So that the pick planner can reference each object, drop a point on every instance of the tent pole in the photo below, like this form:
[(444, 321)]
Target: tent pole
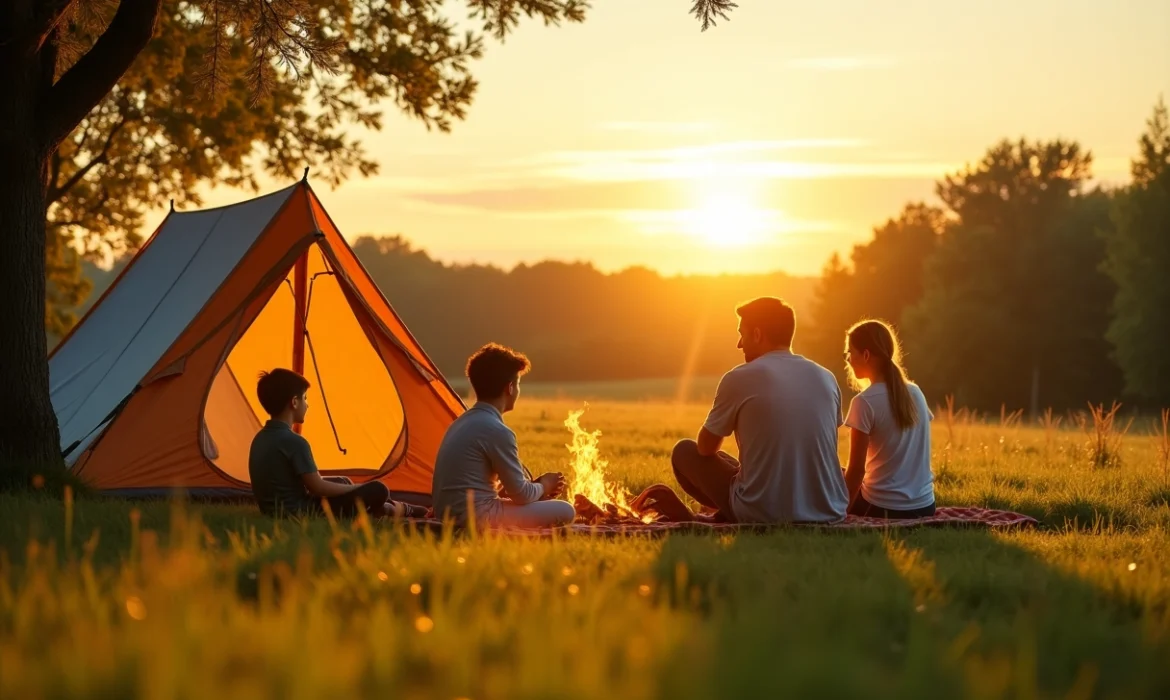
[(300, 307)]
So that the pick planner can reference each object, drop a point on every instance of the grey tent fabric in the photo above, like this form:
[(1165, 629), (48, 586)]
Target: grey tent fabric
[(126, 334)]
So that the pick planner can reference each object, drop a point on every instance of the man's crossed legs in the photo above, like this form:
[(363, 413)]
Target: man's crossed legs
[(707, 479)]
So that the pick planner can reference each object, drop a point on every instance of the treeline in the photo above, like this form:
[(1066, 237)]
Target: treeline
[(1027, 287), (573, 321)]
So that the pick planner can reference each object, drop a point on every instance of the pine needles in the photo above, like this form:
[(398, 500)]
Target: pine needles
[(709, 10)]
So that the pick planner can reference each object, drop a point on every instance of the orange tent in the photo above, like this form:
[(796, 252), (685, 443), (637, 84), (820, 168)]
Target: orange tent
[(155, 388)]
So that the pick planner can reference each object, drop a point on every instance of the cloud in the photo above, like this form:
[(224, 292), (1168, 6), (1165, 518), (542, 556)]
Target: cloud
[(801, 197), (722, 148), (752, 170)]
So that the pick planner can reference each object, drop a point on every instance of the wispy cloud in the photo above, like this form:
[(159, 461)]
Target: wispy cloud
[(841, 63), (723, 148), (765, 225), (611, 171)]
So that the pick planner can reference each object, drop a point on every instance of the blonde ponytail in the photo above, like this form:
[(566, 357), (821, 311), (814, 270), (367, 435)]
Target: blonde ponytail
[(882, 343)]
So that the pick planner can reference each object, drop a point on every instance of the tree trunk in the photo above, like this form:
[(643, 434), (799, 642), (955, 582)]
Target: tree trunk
[(29, 436)]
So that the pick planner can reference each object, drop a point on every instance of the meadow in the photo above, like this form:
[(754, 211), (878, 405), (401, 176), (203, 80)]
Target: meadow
[(106, 598)]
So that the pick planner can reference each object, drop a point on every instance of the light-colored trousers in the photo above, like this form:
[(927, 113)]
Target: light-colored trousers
[(538, 514)]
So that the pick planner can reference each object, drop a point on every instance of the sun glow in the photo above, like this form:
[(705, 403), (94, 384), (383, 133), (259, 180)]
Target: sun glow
[(726, 220)]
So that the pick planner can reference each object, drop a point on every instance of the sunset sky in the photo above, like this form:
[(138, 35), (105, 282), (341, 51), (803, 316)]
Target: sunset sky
[(765, 143)]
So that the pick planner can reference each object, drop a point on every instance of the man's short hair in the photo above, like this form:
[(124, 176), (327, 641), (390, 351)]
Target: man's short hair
[(493, 367), (775, 319), (276, 388)]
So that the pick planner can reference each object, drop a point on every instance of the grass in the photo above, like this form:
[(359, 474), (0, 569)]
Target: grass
[(105, 598)]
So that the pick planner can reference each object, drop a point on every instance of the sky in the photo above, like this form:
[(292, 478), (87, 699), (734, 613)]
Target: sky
[(766, 143)]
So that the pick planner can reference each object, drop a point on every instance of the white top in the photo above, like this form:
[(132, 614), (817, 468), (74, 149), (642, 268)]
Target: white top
[(785, 411), (897, 464), (478, 451)]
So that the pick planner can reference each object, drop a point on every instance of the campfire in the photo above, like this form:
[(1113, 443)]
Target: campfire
[(597, 500)]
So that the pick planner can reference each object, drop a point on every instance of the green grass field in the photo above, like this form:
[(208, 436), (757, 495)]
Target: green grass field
[(112, 599)]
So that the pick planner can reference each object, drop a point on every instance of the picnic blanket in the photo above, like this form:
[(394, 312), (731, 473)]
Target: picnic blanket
[(943, 517), (667, 515)]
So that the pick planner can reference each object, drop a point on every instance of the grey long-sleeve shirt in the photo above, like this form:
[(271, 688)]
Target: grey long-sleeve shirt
[(478, 449)]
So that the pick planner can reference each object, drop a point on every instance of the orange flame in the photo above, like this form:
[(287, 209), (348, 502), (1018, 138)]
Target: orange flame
[(587, 476)]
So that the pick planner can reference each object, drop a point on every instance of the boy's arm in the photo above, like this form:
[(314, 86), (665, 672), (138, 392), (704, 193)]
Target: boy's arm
[(504, 454), (303, 464), (324, 489)]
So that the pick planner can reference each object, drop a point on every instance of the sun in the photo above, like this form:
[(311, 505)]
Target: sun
[(726, 220)]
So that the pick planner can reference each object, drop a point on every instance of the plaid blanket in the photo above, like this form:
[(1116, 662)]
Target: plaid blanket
[(943, 517)]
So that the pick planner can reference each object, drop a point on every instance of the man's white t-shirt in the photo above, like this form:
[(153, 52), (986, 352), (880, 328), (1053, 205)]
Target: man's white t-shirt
[(897, 464), (785, 411)]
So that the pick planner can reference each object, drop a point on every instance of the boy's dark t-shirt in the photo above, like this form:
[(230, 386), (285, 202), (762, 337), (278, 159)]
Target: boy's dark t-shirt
[(277, 461)]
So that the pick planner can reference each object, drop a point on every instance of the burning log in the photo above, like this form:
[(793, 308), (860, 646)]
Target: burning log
[(589, 513), (600, 502)]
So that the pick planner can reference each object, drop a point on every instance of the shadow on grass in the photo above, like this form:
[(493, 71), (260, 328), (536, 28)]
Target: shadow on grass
[(1075, 513), (912, 614), (1037, 629), (1159, 497), (107, 525)]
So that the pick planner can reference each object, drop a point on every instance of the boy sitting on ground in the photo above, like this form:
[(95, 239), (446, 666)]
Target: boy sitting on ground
[(285, 479), (479, 451)]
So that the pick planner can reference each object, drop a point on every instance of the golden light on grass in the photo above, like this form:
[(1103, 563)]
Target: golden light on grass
[(382, 576), (527, 569), (209, 636), (460, 560), (415, 589), (574, 589), (1133, 566), (567, 571)]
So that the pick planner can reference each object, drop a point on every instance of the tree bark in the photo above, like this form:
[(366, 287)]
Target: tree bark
[(29, 437), (36, 114)]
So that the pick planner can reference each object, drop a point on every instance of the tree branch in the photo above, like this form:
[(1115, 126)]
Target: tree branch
[(50, 17), (96, 73), (708, 11), (57, 192)]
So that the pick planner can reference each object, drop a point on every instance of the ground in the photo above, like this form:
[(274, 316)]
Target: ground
[(112, 599)]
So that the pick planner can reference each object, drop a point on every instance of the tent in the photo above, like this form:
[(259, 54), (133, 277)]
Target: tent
[(155, 389)]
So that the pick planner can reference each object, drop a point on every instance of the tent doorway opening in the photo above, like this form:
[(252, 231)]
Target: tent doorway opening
[(356, 421)]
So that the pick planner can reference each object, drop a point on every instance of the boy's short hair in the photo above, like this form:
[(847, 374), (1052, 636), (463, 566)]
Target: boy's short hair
[(493, 367), (276, 388), (775, 319)]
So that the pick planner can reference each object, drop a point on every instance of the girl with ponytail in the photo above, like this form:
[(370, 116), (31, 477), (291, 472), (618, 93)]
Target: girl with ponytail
[(889, 444)]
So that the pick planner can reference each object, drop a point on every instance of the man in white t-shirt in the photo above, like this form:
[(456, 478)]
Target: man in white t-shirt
[(784, 411)]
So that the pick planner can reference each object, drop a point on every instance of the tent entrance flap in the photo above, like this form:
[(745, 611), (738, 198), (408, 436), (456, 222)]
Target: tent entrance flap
[(363, 410)]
